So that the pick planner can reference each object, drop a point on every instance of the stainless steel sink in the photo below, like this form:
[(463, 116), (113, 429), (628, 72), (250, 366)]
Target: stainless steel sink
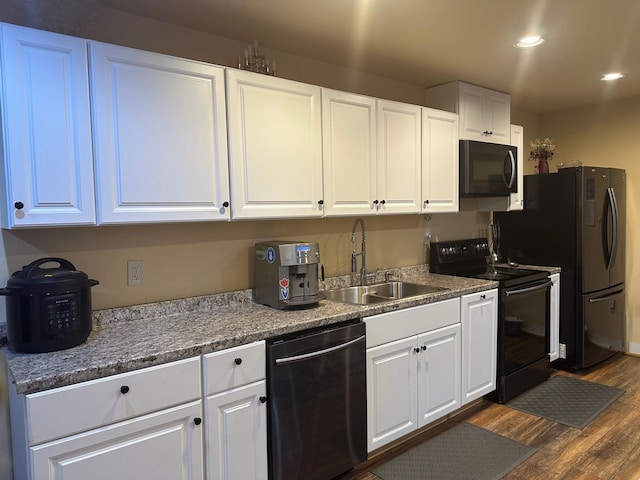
[(379, 293)]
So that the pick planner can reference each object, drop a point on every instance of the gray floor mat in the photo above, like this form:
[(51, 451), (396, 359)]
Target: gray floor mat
[(462, 452), (567, 400)]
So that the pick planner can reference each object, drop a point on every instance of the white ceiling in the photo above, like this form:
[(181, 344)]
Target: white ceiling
[(428, 42)]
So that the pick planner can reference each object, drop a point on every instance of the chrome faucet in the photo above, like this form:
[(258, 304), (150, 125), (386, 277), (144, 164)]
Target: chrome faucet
[(354, 255)]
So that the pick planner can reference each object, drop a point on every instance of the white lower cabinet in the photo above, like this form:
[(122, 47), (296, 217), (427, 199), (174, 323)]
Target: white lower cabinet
[(413, 369), (479, 317), (163, 445), (236, 413), (140, 424)]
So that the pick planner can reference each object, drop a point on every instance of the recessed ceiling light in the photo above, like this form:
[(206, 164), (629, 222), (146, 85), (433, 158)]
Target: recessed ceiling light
[(527, 42), (611, 76)]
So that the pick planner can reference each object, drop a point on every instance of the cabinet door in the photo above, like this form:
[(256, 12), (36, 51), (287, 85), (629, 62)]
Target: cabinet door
[(479, 317), (349, 153), (275, 146), (554, 324), (399, 157), (517, 140), (498, 111), (484, 114), (160, 137), (237, 434), (48, 160), (440, 167), (438, 373), (166, 445), (391, 392)]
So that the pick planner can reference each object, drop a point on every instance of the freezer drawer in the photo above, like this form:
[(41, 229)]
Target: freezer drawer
[(604, 328)]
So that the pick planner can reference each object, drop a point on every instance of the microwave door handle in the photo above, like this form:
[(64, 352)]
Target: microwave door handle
[(512, 160)]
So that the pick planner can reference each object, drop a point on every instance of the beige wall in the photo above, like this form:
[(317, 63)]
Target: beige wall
[(607, 135)]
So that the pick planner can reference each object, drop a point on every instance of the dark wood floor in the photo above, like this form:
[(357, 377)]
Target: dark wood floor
[(607, 448)]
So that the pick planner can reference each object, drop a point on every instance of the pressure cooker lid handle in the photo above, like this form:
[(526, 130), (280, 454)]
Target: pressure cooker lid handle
[(33, 266)]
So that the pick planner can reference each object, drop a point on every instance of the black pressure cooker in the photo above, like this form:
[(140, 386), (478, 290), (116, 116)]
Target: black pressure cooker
[(48, 309)]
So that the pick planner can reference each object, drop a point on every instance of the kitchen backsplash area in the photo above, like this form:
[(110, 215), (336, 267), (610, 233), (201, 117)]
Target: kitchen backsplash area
[(191, 259)]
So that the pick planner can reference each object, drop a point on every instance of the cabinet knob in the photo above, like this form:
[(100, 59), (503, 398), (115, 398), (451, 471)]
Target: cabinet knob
[(416, 350), (124, 389), (320, 202), (483, 296), (426, 202), (225, 204), (383, 202), (19, 205), (238, 361), (263, 399), (424, 347), (197, 420), (375, 202)]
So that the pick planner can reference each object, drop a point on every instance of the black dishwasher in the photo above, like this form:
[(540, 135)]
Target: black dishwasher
[(316, 390)]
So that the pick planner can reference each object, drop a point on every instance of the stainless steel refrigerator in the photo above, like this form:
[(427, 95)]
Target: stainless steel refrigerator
[(575, 219)]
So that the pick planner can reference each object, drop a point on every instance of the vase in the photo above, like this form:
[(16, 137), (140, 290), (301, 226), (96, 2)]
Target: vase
[(543, 165)]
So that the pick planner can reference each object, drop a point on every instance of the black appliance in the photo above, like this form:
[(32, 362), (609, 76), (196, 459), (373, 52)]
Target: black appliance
[(523, 312), (575, 219), (48, 308), (316, 386), (487, 169)]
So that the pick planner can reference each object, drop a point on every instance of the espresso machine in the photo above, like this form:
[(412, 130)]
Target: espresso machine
[(286, 274)]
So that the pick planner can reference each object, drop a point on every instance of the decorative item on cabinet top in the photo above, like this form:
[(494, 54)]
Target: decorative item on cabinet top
[(542, 151), (254, 60)]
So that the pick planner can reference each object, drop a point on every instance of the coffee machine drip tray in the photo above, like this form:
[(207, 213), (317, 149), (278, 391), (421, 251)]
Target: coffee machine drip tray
[(306, 301)]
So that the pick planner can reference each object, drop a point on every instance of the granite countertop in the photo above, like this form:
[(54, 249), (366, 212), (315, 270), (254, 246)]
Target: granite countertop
[(130, 338)]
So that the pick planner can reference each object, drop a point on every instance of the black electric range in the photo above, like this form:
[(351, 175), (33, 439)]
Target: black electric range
[(523, 312)]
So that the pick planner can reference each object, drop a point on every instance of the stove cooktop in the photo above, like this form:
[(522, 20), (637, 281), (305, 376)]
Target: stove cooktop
[(468, 258)]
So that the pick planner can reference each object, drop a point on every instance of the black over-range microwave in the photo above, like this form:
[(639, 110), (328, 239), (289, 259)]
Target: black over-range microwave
[(487, 169)]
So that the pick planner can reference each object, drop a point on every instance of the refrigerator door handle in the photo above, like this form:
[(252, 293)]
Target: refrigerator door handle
[(606, 297), (509, 157), (611, 208)]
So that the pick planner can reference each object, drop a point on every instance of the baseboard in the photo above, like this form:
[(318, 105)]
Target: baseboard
[(634, 348)]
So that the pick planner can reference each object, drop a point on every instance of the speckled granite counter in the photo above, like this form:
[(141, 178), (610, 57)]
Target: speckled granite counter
[(130, 338)]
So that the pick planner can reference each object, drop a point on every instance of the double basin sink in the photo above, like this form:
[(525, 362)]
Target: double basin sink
[(379, 293)]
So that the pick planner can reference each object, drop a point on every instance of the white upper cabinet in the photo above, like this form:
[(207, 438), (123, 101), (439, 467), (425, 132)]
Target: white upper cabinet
[(440, 166), (399, 157), (46, 130), (485, 115), (349, 153), (275, 147), (371, 151), (160, 137)]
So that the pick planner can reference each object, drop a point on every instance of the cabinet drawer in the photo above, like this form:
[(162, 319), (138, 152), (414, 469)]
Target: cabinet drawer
[(391, 326), (80, 407), (233, 367)]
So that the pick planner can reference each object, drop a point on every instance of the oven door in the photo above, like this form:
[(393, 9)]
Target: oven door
[(524, 325)]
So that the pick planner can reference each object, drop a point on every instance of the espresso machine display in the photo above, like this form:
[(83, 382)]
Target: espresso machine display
[(287, 274)]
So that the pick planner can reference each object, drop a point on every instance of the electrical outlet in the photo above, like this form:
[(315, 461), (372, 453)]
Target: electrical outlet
[(562, 353), (135, 272)]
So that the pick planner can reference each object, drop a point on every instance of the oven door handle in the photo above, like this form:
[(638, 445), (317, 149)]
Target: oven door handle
[(529, 289), (304, 356)]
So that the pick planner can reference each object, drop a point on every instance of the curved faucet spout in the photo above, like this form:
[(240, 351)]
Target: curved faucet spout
[(363, 249)]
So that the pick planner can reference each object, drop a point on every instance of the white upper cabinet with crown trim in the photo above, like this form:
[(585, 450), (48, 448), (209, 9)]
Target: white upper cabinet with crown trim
[(46, 130), (160, 137), (371, 152), (275, 147), (485, 115)]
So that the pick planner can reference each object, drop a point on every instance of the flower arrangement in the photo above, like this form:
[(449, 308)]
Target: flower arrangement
[(541, 149)]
